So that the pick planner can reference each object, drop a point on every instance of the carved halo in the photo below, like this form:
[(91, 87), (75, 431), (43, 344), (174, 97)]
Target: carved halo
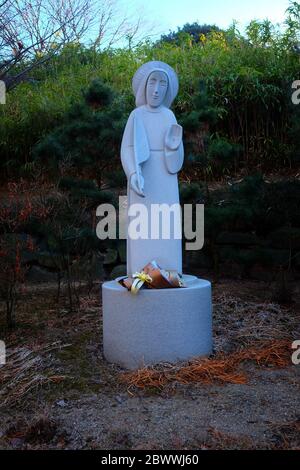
[(140, 78)]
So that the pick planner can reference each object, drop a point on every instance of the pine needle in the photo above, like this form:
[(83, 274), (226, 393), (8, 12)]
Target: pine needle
[(220, 369)]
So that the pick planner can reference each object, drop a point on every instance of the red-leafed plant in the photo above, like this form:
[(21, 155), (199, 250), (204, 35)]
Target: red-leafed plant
[(17, 208)]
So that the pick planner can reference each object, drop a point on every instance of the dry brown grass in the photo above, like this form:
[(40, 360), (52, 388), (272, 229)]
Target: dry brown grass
[(24, 371), (241, 323), (41, 429), (287, 435), (218, 440)]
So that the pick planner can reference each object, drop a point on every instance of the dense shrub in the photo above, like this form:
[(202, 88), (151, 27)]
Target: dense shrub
[(247, 79)]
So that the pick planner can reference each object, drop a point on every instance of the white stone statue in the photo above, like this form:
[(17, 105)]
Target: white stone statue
[(154, 324), (152, 154)]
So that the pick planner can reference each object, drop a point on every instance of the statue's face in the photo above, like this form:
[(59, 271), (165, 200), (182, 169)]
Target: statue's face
[(156, 89)]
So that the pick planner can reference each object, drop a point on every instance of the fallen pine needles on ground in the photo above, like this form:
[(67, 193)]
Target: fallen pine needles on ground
[(220, 369)]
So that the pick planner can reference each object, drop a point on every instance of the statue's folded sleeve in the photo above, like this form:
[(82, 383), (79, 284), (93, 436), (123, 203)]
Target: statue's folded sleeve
[(127, 148), (135, 146)]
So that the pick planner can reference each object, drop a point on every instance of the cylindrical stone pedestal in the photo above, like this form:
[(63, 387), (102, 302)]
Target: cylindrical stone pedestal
[(157, 325)]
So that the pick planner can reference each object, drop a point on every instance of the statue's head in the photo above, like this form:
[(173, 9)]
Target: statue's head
[(155, 83), (156, 88)]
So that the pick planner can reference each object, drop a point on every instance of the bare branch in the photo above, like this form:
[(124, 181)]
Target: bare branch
[(32, 31)]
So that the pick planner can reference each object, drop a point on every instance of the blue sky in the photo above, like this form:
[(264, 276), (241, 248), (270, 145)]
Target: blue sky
[(168, 14)]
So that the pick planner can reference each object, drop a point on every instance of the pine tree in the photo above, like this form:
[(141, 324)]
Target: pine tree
[(207, 152), (89, 137)]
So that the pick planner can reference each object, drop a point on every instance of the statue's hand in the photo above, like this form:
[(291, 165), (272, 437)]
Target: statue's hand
[(173, 137), (137, 184)]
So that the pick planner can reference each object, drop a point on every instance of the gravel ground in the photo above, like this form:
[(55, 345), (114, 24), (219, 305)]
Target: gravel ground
[(238, 416), (87, 406)]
